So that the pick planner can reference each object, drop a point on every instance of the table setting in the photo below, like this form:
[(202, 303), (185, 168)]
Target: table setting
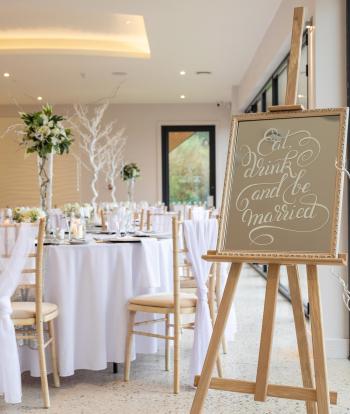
[(91, 259), (91, 274)]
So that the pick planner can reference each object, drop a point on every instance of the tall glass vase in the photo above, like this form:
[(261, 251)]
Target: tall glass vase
[(131, 189), (45, 171)]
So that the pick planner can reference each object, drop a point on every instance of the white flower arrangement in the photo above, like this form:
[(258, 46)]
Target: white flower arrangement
[(71, 208), (78, 210), (27, 214), (44, 133)]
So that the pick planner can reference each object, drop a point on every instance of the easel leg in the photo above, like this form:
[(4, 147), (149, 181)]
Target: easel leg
[(218, 299), (322, 392), (219, 328), (267, 332), (211, 303), (300, 328)]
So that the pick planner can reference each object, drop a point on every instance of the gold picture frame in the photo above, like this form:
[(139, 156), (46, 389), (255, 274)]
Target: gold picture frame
[(294, 180)]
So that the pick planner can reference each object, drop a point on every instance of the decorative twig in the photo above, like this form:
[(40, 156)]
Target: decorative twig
[(103, 144)]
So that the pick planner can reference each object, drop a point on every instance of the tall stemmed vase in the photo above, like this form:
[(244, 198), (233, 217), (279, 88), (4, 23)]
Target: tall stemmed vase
[(129, 173), (131, 189), (45, 174), (43, 134)]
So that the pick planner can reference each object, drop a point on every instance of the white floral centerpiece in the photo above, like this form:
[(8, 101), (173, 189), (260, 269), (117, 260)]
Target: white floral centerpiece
[(27, 215), (78, 210), (71, 209), (129, 173), (45, 135)]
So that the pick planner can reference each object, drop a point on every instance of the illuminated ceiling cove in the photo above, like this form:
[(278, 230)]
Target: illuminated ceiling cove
[(113, 34)]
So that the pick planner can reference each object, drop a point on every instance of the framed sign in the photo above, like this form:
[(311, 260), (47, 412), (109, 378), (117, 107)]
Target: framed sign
[(283, 184)]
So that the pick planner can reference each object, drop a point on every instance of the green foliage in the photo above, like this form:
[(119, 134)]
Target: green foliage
[(189, 170), (44, 133), (27, 215), (130, 171)]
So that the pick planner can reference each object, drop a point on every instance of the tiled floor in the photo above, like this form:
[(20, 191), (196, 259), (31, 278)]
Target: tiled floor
[(149, 390)]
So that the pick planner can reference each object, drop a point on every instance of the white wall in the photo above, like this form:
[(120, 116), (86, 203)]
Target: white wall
[(143, 128), (330, 91)]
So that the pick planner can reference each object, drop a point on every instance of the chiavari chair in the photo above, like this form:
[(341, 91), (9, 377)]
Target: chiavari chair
[(160, 219), (177, 304), (33, 315)]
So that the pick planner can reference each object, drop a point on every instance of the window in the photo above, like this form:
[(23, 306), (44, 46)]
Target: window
[(302, 87), (188, 154), (274, 90), (282, 84), (268, 96)]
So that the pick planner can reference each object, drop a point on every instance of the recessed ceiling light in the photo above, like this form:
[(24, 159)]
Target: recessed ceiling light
[(182, 96), (6, 75), (39, 98), (182, 72)]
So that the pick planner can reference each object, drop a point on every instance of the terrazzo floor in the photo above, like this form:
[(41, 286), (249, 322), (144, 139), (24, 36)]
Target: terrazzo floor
[(149, 390)]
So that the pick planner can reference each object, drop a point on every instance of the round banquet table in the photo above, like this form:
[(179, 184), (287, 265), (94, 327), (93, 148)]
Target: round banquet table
[(91, 285)]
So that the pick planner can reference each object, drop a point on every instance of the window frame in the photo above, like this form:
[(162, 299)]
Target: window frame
[(273, 81), (165, 130)]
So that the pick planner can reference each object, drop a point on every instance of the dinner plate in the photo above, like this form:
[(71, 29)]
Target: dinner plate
[(78, 242), (119, 240)]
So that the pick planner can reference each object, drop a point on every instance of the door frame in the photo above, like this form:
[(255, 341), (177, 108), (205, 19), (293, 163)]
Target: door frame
[(165, 129), (348, 140)]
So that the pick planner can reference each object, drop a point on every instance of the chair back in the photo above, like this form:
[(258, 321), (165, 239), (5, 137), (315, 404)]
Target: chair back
[(160, 222), (11, 232), (139, 219), (182, 270), (198, 213), (103, 219)]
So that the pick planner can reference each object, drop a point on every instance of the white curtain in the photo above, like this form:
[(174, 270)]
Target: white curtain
[(200, 236), (15, 245)]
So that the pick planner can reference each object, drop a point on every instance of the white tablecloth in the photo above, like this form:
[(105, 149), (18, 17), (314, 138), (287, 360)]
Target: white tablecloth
[(91, 285)]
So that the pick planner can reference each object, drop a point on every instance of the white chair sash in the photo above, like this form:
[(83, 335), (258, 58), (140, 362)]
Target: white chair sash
[(199, 213), (11, 267), (200, 236), (161, 223)]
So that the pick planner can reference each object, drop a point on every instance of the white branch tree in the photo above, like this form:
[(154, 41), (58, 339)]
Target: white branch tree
[(115, 158), (98, 140)]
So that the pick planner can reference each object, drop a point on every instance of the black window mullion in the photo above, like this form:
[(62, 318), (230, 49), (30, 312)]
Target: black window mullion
[(165, 157), (275, 91), (263, 101)]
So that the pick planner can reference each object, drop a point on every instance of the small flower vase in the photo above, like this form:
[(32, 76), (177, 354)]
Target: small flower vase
[(45, 171), (131, 189)]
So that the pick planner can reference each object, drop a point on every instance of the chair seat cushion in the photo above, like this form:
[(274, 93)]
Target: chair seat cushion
[(26, 310), (164, 300)]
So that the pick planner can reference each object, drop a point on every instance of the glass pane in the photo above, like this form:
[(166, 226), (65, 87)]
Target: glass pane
[(259, 106), (189, 167), (302, 86), (282, 86), (268, 96)]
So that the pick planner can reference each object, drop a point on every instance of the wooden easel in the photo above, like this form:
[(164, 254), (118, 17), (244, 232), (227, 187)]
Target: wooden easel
[(315, 387)]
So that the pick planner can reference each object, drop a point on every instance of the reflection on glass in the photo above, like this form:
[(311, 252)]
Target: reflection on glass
[(282, 86), (259, 106), (268, 96), (189, 167), (302, 86)]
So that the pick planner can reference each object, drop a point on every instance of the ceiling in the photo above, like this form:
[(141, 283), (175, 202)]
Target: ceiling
[(191, 35)]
